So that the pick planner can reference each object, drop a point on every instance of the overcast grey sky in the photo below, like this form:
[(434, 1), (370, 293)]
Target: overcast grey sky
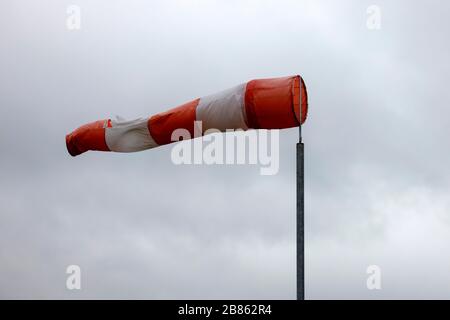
[(377, 161)]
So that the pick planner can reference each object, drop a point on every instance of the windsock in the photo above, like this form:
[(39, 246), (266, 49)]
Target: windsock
[(275, 103)]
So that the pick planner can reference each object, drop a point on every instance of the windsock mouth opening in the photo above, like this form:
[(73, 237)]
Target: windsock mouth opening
[(71, 148), (300, 100)]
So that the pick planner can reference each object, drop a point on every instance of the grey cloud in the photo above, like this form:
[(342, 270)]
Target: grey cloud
[(141, 227)]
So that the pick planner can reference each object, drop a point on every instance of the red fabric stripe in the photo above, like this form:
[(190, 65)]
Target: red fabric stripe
[(91, 136), (269, 103), (163, 124)]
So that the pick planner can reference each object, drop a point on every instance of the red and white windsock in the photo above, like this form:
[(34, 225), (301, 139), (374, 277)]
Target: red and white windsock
[(275, 103)]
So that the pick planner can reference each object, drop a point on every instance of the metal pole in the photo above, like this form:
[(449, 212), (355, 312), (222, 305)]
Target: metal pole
[(300, 219)]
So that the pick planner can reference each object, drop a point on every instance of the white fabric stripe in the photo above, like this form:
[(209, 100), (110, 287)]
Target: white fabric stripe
[(129, 136), (223, 110)]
